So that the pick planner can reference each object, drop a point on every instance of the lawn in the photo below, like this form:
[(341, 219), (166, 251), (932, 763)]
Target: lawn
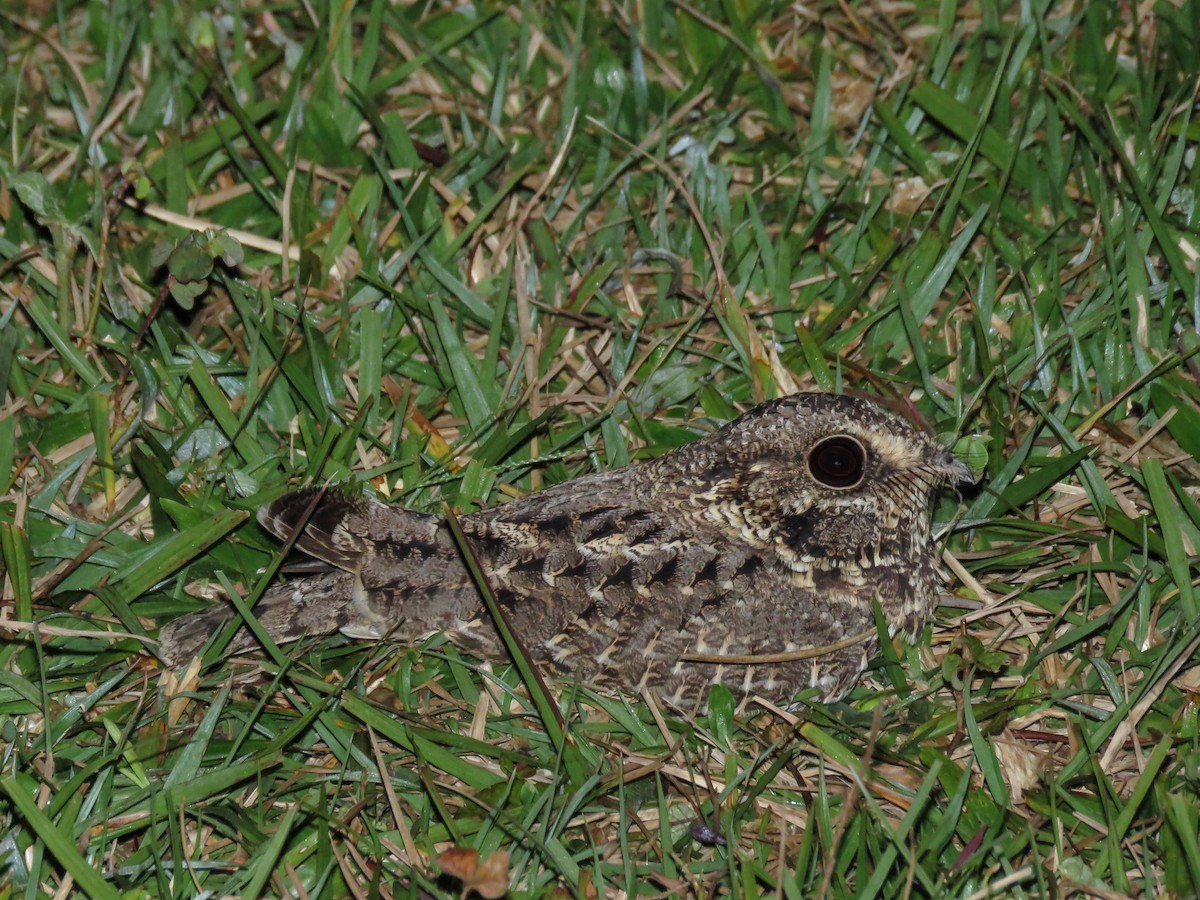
[(452, 253)]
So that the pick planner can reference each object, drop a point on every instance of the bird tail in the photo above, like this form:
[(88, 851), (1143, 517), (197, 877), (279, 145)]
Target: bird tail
[(340, 530), (314, 605)]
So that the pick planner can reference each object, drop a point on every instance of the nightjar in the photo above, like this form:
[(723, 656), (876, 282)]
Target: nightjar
[(773, 536)]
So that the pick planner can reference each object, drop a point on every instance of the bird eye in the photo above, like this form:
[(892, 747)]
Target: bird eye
[(838, 461)]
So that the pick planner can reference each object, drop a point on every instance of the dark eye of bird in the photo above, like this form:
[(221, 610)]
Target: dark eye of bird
[(838, 461)]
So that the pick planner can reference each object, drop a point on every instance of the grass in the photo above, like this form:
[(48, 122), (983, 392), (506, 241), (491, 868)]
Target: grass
[(457, 253)]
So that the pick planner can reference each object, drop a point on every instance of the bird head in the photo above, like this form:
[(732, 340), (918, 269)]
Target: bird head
[(825, 479)]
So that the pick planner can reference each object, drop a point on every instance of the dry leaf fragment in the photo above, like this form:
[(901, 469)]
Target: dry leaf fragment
[(489, 878), (1020, 764)]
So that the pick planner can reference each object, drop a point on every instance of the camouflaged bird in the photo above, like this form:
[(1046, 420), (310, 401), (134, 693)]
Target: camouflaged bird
[(770, 537)]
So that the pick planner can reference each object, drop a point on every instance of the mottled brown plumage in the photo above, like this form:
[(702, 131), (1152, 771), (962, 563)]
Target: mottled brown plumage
[(774, 534)]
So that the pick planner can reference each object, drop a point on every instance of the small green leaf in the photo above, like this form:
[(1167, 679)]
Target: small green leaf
[(720, 714), (190, 262), (43, 198), (972, 450), (186, 292), (161, 252), (228, 248)]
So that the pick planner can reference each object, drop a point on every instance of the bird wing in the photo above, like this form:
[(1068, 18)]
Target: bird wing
[(289, 611), (345, 530), (592, 577)]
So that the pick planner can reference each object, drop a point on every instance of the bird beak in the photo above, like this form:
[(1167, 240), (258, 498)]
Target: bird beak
[(953, 470)]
